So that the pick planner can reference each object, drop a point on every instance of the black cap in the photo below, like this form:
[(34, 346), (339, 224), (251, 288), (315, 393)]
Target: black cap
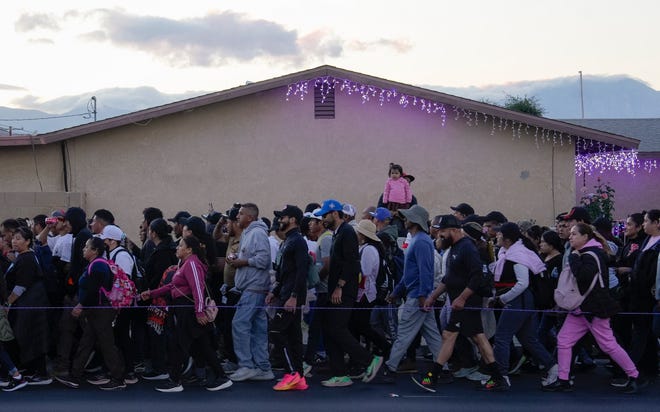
[(464, 208), (180, 217), (213, 217), (578, 213), (494, 216), (232, 214), (447, 222), (291, 211)]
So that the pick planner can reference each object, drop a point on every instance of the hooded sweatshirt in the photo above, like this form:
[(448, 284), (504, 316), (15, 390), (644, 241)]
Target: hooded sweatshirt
[(78, 221), (255, 248)]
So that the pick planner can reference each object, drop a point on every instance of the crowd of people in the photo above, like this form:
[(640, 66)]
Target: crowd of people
[(326, 290)]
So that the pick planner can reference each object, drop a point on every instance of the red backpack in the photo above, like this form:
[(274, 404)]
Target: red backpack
[(123, 291)]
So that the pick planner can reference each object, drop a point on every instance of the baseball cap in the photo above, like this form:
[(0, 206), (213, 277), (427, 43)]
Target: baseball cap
[(329, 205), (112, 232), (464, 208), (348, 209), (290, 211), (180, 217), (58, 213), (447, 222), (381, 213), (311, 214), (213, 217), (578, 213)]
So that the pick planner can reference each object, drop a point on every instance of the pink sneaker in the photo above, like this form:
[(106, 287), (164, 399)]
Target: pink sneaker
[(288, 382), (301, 385)]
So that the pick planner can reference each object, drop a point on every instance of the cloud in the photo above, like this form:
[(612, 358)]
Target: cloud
[(11, 87), (321, 43), (400, 46), (33, 21), (201, 41), (41, 41)]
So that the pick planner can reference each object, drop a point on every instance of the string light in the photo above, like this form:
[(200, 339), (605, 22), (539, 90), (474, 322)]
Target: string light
[(591, 156)]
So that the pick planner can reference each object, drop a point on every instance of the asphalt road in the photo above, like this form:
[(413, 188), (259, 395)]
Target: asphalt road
[(592, 394)]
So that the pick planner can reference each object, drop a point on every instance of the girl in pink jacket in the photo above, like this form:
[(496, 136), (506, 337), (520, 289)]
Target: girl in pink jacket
[(397, 193)]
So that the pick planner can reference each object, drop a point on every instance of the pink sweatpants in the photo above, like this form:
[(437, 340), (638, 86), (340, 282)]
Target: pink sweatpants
[(577, 326)]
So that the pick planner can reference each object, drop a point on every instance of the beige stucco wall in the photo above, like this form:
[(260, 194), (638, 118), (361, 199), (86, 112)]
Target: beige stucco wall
[(264, 149)]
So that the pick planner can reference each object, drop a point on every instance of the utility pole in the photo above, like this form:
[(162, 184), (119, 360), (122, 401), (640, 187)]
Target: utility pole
[(581, 95)]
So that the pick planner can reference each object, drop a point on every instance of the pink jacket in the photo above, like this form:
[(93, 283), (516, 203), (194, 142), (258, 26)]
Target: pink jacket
[(187, 281), (397, 191)]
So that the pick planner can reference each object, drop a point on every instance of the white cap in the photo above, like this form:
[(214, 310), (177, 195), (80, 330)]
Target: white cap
[(348, 209), (112, 232), (311, 215)]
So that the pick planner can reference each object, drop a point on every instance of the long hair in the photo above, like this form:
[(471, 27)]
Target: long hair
[(590, 231), (97, 245), (197, 248)]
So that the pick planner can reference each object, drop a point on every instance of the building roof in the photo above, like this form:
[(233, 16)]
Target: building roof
[(646, 130), (325, 71)]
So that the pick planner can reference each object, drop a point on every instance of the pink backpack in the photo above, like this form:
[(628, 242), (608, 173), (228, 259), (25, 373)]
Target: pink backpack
[(567, 294), (123, 291)]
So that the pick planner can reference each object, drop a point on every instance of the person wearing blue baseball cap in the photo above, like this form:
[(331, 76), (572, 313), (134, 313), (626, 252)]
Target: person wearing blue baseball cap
[(343, 276)]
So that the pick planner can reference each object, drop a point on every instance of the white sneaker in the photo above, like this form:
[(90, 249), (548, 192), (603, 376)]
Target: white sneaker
[(477, 376), (550, 377), (464, 372), (263, 375), (243, 374), (307, 370)]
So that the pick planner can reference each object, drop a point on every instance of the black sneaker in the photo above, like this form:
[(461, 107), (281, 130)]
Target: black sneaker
[(219, 384), (139, 367), (501, 384), (130, 379), (170, 386), (37, 380), (631, 387), (15, 384), (446, 376), (559, 385), (620, 382), (194, 380), (68, 381), (113, 385), (99, 379), (428, 382), (155, 376)]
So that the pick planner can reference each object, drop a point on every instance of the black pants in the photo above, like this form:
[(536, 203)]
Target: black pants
[(129, 335), (187, 332), (644, 345), (286, 335), (314, 333), (360, 325), (97, 332), (339, 339), (68, 326)]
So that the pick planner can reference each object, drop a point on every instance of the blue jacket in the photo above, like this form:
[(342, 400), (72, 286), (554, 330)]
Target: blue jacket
[(418, 267)]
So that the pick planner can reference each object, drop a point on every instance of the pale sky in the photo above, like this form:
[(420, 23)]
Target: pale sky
[(67, 47)]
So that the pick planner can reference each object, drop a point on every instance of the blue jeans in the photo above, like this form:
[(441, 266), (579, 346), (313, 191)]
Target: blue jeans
[(250, 331), (523, 326)]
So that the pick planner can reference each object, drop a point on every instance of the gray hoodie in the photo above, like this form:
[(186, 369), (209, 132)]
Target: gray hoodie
[(255, 247)]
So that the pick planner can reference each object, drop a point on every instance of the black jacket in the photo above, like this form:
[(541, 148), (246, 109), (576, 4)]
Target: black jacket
[(163, 256), (78, 221), (344, 262), (599, 302), (292, 268), (642, 279)]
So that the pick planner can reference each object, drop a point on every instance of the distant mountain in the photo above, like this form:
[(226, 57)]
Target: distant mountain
[(109, 103), (605, 97)]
